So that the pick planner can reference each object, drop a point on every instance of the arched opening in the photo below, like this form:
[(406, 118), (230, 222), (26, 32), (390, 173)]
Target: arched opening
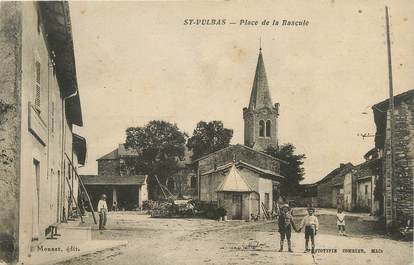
[(261, 128), (268, 128)]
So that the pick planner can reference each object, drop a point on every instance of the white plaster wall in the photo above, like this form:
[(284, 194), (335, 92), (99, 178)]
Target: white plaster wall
[(265, 186), (362, 198), (348, 191), (33, 48), (49, 155)]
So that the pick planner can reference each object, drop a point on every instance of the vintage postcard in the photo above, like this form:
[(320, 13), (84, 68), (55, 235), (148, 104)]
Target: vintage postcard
[(206, 132)]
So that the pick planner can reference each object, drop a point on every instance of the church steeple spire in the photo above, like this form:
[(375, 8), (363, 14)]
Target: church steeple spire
[(260, 95), (261, 116)]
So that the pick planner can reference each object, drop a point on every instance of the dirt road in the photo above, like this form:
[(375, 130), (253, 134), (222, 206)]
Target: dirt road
[(198, 241)]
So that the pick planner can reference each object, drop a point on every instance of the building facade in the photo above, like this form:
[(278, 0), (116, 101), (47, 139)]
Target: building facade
[(397, 153), (256, 173), (368, 177), (334, 190), (39, 107), (352, 188), (124, 189), (383, 184)]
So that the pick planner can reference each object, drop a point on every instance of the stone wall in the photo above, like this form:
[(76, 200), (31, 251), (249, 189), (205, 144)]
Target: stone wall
[(325, 194), (10, 109), (399, 197), (252, 136), (108, 167)]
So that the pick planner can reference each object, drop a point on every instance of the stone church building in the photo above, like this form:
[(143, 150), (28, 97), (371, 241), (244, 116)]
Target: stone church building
[(242, 178)]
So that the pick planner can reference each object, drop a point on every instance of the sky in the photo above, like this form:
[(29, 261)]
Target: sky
[(137, 61)]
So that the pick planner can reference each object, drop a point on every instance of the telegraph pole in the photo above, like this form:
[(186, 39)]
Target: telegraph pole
[(391, 109)]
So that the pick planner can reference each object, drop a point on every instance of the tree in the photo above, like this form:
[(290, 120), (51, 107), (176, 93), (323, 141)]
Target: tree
[(160, 145), (209, 137), (293, 170)]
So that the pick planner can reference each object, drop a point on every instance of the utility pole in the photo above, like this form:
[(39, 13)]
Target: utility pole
[(391, 111)]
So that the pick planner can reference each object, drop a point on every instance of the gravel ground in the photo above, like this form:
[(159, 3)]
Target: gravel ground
[(199, 241)]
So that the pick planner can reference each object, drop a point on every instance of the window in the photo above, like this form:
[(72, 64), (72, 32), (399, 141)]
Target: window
[(366, 189), (37, 87), (268, 128), (261, 128)]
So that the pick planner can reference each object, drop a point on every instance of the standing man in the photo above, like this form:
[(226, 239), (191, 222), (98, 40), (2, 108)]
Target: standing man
[(103, 211)]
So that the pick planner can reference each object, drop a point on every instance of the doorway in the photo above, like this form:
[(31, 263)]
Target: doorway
[(237, 207), (35, 201)]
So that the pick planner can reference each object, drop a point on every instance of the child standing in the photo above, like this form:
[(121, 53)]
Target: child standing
[(311, 224), (285, 223), (340, 221)]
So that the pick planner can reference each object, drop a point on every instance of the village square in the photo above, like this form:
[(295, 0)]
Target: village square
[(212, 194)]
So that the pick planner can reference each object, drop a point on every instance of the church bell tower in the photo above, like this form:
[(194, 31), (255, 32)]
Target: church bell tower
[(261, 116)]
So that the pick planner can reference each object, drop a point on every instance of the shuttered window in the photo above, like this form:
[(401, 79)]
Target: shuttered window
[(37, 87)]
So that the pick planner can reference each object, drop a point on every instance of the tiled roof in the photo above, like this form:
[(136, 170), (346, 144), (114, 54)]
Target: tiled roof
[(57, 24), (114, 180), (234, 182), (261, 170), (380, 115), (123, 151), (337, 172), (369, 168), (242, 163), (241, 146), (383, 105), (111, 155)]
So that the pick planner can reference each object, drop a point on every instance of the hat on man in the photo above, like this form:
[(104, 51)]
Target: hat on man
[(285, 206), (103, 196)]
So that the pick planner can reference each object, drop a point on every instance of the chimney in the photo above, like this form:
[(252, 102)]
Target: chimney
[(341, 165)]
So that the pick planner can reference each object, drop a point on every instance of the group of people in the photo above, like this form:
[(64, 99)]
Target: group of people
[(309, 222), (285, 221)]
